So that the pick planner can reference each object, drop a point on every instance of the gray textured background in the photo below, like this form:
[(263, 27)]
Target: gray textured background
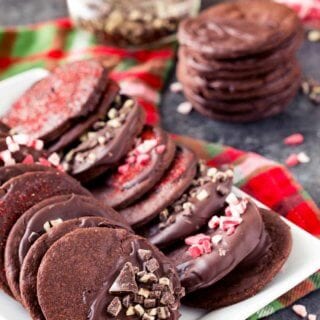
[(264, 137)]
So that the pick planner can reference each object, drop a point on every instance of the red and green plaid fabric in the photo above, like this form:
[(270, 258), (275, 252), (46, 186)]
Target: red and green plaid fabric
[(142, 74)]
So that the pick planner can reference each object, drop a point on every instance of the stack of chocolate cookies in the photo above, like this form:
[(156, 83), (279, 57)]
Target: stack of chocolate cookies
[(237, 60), (161, 190)]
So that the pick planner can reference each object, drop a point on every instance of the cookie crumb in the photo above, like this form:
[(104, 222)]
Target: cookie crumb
[(184, 108), (300, 310)]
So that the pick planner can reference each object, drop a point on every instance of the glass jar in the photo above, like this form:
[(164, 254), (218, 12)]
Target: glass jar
[(132, 23)]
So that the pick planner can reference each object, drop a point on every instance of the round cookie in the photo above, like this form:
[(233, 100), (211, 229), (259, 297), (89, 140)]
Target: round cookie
[(141, 170), (175, 181), (41, 217), (192, 210), (31, 263), (245, 282), (52, 105), (79, 128), (24, 191), (239, 28), (207, 257), (112, 281), (107, 142)]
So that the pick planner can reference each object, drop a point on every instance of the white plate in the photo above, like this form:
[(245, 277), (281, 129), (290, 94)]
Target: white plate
[(304, 259)]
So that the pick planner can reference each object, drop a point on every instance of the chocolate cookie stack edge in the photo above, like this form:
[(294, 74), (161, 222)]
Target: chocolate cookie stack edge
[(237, 60)]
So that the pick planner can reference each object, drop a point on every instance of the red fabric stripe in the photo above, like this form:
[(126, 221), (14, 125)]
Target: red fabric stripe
[(304, 216), (271, 186), (151, 111), (228, 156)]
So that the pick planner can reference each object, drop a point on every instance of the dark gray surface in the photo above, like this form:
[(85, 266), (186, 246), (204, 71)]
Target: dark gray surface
[(264, 137)]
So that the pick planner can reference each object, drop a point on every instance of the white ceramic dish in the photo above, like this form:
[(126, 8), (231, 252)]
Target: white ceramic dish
[(304, 259)]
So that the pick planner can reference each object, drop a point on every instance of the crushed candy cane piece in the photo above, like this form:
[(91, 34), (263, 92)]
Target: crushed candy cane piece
[(143, 159), (232, 199), (216, 239), (300, 310), (44, 162), (161, 149), (184, 108), (176, 87), (22, 139), (6, 156), (312, 317), (303, 157), (214, 222), (197, 239), (294, 139), (314, 35), (229, 222), (195, 251), (123, 169), (146, 146), (292, 160), (28, 159), (54, 159), (131, 159), (206, 245)]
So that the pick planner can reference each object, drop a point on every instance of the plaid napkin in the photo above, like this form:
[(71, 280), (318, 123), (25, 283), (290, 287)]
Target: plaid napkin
[(142, 74)]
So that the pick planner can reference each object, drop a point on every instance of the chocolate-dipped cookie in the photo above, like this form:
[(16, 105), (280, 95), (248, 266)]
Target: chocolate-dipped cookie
[(40, 218), (249, 277), (31, 263), (107, 141), (53, 104), (207, 257), (129, 279), (239, 28), (192, 210), (140, 171), (175, 181), (85, 124), (24, 191)]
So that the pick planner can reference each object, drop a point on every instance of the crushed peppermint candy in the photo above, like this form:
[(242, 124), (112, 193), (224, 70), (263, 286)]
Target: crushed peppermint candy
[(303, 157), (312, 317), (294, 139), (300, 310), (295, 159), (184, 108), (176, 87)]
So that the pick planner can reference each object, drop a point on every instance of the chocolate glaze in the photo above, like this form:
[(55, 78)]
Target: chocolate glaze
[(175, 181), (186, 222), (31, 263), (99, 305), (119, 194), (108, 154), (201, 272), (79, 128)]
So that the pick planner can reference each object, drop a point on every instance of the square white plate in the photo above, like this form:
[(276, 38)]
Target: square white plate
[(304, 259)]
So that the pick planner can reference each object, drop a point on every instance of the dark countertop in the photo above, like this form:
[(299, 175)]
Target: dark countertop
[(264, 137)]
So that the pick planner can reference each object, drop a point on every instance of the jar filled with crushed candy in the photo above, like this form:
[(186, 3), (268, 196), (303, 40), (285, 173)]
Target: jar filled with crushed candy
[(133, 23)]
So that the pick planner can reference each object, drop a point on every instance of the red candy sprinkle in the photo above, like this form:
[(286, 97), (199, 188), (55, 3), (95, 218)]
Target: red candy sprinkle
[(206, 245), (214, 222), (292, 160), (294, 139)]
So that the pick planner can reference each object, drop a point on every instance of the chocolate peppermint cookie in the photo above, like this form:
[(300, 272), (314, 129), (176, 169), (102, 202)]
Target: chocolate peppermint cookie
[(129, 279), (39, 219), (253, 273), (24, 191), (52, 105), (106, 142), (192, 210), (175, 181), (139, 172)]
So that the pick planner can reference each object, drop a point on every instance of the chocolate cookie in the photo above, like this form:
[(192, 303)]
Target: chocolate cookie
[(175, 181), (248, 279), (239, 28), (107, 142), (207, 257), (192, 210), (85, 124), (40, 218), (24, 191), (131, 278), (50, 106), (141, 170), (31, 263)]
